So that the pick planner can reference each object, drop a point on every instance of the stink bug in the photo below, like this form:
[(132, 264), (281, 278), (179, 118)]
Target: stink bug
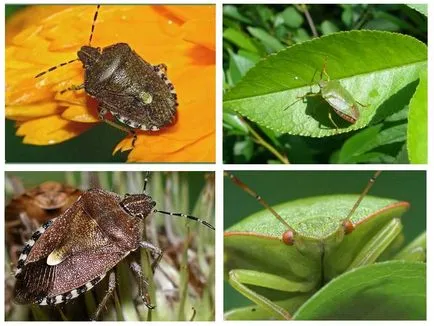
[(135, 92), (287, 256), (72, 253), (341, 101)]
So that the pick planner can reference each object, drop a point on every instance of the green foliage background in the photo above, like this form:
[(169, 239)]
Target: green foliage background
[(252, 32)]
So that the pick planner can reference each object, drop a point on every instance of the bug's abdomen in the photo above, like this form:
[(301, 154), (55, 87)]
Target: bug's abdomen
[(134, 91), (341, 101)]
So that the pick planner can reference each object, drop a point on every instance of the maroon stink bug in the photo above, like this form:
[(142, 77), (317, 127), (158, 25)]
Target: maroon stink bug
[(137, 93), (69, 255)]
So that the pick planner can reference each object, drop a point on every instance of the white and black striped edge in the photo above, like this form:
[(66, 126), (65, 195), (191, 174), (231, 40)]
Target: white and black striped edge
[(29, 245), (43, 301)]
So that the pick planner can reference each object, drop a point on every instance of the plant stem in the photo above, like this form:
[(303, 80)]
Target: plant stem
[(303, 8), (262, 142)]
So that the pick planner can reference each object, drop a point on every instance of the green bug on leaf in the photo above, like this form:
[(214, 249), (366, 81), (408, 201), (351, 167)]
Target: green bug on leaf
[(281, 257), (341, 101)]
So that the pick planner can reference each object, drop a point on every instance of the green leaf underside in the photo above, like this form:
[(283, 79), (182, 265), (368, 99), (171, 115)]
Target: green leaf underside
[(417, 131), (315, 217), (370, 65), (422, 8), (393, 290)]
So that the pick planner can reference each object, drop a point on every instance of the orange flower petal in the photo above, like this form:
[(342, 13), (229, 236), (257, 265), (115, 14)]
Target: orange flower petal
[(186, 13), (159, 34), (202, 150), (26, 112), (79, 113), (198, 31), (49, 130)]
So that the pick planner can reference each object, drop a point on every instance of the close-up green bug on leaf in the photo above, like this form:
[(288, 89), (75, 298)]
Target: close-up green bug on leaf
[(368, 106), (349, 245)]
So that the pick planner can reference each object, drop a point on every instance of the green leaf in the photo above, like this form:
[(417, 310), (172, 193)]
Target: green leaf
[(234, 123), (239, 39), (239, 64), (292, 17), (417, 123), (328, 27), (270, 42), (394, 290), (422, 8), (371, 65), (232, 12), (355, 148)]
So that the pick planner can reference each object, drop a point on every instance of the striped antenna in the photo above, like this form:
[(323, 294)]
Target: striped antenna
[(252, 193), (55, 67), (93, 24), (186, 216), (145, 183), (363, 194), (348, 225)]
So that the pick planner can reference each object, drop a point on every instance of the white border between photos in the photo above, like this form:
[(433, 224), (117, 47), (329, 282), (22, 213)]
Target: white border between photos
[(219, 167)]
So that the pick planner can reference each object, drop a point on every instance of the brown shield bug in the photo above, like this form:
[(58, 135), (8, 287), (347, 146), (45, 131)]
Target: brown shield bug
[(69, 255), (137, 93)]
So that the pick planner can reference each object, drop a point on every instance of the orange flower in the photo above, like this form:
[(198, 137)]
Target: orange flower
[(181, 37)]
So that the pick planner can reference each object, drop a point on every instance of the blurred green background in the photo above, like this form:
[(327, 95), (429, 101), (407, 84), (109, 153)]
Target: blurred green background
[(94, 145), (282, 186)]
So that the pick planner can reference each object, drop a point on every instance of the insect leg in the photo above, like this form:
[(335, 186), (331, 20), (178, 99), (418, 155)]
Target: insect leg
[(332, 121), (323, 71), (108, 294), (155, 250), (361, 104), (193, 314), (72, 88), (378, 244), (143, 284), (102, 111)]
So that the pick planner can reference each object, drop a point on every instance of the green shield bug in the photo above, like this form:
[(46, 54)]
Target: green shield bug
[(280, 257), (332, 91)]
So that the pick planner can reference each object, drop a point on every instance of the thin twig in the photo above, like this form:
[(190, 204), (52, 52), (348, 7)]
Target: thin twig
[(303, 8), (262, 142)]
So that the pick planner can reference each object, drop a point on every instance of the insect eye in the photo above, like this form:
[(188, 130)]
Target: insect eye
[(288, 238)]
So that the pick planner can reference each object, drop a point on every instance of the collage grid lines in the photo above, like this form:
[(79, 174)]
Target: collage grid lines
[(219, 167)]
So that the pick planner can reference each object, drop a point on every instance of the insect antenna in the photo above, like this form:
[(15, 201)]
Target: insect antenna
[(252, 193), (55, 67), (186, 216), (145, 183), (95, 16), (349, 226)]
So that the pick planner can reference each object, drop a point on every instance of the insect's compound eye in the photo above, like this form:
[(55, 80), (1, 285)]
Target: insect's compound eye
[(288, 238), (348, 226)]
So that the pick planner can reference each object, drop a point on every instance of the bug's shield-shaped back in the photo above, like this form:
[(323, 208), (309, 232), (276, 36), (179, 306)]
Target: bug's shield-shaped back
[(71, 252)]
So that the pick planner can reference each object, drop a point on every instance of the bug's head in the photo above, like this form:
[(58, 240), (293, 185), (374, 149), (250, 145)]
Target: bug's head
[(88, 55), (322, 83), (138, 205)]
